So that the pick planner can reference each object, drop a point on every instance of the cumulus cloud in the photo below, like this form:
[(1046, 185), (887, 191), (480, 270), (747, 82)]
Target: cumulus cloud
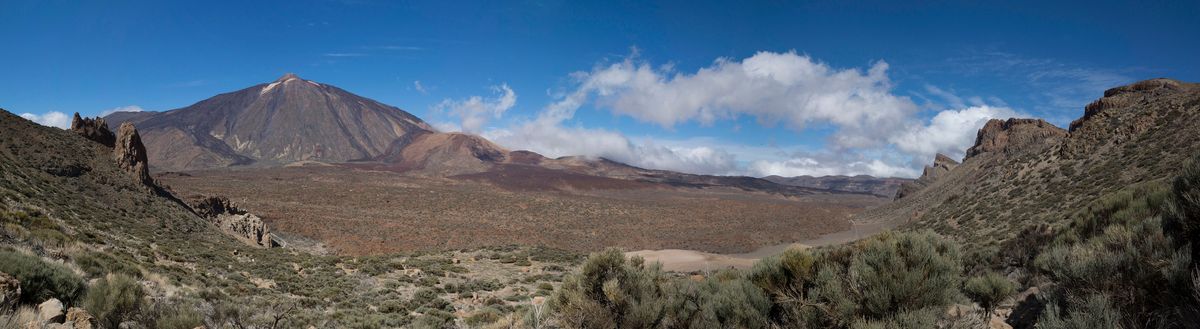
[(949, 132), (773, 87), (876, 132), (130, 108), (476, 111), (50, 119)]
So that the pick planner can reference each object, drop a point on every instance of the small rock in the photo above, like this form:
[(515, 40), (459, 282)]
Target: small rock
[(80, 318), (10, 290), (51, 311)]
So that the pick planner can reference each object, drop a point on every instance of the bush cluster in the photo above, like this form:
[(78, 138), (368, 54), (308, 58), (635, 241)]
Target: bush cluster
[(887, 281), (41, 280)]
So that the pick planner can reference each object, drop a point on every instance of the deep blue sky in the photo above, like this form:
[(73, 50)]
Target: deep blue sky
[(1034, 58)]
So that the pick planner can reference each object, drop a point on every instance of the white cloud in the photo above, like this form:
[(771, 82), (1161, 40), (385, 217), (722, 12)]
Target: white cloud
[(130, 108), (804, 165), (419, 87), (949, 132), (554, 140), (476, 111), (875, 131), (773, 87), (50, 119)]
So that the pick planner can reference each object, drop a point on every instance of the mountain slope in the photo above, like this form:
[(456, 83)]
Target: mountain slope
[(884, 187), (288, 120), (1025, 172)]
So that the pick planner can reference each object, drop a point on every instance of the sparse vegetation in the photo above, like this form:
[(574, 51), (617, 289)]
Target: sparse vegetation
[(114, 299), (41, 280)]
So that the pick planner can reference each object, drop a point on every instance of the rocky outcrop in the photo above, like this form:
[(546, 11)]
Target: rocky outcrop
[(233, 221), (1007, 136), (130, 154), (1125, 113), (10, 291), (93, 129), (942, 164), (78, 318)]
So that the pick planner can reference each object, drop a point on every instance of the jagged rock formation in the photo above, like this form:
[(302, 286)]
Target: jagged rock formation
[(1014, 134), (942, 164), (236, 222), (1022, 172), (130, 154), (93, 129)]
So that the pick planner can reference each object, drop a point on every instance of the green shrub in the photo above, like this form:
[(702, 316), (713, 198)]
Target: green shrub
[(727, 300), (484, 316), (114, 299), (882, 279), (988, 290), (1094, 312), (609, 291), (41, 280)]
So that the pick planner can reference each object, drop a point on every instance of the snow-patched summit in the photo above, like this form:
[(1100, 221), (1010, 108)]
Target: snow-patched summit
[(287, 120)]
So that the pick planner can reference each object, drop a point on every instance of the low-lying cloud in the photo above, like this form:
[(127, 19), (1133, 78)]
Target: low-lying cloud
[(50, 119)]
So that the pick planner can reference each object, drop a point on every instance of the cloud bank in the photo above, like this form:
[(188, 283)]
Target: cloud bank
[(875, 131)]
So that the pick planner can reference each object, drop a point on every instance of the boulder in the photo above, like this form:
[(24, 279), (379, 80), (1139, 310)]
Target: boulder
[(130, 154), (51, 311), (80, 318), (10, 291), (93, 129)]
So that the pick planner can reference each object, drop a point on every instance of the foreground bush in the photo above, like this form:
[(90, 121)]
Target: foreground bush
[(114, 299), (41, 280), (612, 292), (891, 279)]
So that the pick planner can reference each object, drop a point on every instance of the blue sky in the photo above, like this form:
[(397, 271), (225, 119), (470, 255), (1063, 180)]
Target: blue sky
[(873, 87)]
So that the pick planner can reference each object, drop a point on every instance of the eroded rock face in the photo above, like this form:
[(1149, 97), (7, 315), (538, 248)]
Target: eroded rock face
[(242, 225), (1005, 136), (93, 129), (130, 154), (942, 164), (10, 290)]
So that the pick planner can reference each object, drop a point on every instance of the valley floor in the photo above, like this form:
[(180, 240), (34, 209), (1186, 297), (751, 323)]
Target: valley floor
[(362, 212)]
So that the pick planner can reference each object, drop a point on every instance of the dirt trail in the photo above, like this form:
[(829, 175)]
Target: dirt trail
[(690, 260)]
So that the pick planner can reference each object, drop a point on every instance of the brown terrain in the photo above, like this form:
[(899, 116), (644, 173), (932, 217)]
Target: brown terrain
[(355, 211)]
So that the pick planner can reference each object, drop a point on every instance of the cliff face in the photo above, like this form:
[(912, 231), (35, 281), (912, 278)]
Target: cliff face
[(1013, 135)]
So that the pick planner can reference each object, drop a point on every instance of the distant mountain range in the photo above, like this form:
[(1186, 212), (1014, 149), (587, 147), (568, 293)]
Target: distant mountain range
[(293, 121)]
